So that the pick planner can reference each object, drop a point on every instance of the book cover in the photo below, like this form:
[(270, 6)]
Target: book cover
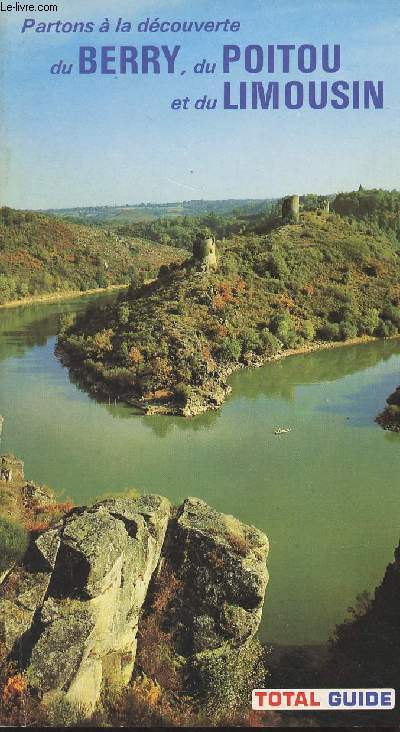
[(199, 364)]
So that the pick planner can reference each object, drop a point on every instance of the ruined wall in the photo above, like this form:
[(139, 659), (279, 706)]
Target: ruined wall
[(291, 209), (204, 253)]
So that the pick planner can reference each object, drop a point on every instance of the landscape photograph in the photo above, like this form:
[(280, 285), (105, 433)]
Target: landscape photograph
[(199, 371)]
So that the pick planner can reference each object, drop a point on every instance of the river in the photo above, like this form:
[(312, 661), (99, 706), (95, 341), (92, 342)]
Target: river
[(326, 494)]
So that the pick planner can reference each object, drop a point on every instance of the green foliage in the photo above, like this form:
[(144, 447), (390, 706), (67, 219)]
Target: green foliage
[(13, 542), (252, 341), (380, 208), (348, 330), (392, 314), (229, 349), (269, 342), (330, 332), (368, 323), (183, 393), (386, 329), (61, 712), (307, 330), (277, 266), (282, 326)]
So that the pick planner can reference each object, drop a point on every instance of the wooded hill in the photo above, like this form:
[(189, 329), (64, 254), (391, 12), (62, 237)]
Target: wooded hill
[(172, 342), (40, 254)]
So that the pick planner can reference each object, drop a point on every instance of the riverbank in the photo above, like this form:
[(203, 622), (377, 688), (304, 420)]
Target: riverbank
[(217, 397), (214, 391), (60, 296)]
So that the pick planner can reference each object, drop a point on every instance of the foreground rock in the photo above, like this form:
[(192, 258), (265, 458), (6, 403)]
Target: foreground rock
[(224, 603), (198, 629), (72, 612)]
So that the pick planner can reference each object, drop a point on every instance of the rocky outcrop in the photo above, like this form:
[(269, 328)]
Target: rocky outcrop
[(224, 603), (389, 419), (205, 603), (71, 613), (74, 610), (24, 590)]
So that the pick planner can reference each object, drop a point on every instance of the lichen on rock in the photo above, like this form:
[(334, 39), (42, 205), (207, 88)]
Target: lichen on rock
[(88, 586)]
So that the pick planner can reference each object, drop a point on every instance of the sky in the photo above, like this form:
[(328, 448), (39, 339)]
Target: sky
[(78, 140)]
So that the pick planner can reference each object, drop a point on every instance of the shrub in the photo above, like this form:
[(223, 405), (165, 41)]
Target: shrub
[(307, 330), (391, 313), (386, 329), (348, 330), (123, 314), (283, 327), (155, 654), (61, 712), (277, 266), (183, 393), (330, 332), (369, 322), (251, 341), (102, 341), (14, 690), (13, 542), (269, 342), (135, 356), (229, 349)]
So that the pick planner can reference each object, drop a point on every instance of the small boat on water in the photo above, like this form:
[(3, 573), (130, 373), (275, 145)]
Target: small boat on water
[(282, 430)]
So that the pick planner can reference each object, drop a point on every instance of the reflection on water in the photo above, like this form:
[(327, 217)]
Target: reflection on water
[(326, 493), (324, 365), (26, 326)]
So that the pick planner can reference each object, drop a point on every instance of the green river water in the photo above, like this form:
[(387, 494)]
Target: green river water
[(327, 494)]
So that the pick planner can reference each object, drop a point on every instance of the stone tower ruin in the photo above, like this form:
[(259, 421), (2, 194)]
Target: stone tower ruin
[(291, 208), (204, 253)]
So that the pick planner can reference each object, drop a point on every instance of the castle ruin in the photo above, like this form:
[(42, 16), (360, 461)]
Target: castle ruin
[(204, 253), (291, 209)]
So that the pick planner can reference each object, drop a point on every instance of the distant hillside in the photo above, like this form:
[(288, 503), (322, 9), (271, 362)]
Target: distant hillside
[(376, 205), (168, 346), (40, 254), (149, 211), (181, 230)]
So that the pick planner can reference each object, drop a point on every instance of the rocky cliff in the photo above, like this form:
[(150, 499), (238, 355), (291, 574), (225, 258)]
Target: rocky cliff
[(188, 582)]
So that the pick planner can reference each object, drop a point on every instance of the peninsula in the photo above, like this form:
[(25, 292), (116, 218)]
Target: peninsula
[(301, 279)]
